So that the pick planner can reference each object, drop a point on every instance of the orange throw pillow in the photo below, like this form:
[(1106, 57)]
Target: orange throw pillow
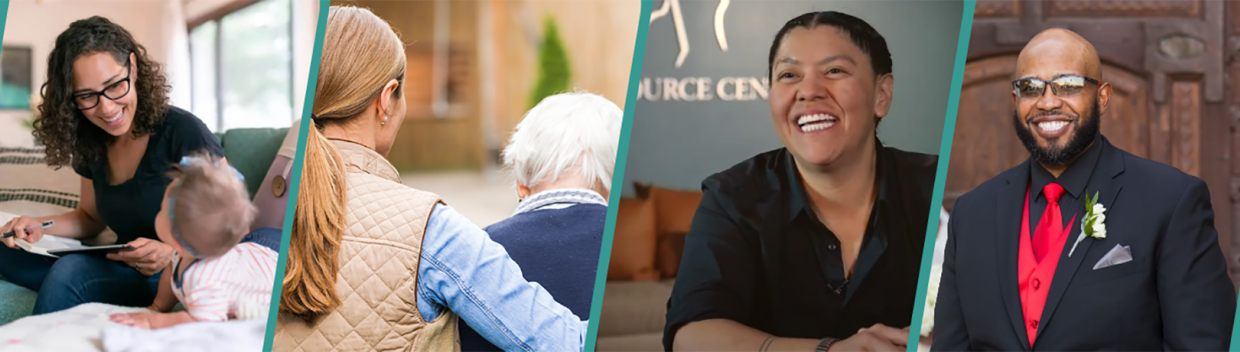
[(674, 210), (671, 248), (633, 245), (673, 216)]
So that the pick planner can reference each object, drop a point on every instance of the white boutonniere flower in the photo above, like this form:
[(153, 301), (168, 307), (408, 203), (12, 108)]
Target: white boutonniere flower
[(932, 297), (1094, 225)]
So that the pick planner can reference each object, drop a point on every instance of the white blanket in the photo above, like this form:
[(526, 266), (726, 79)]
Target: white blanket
[(87, 328), (235, 335)]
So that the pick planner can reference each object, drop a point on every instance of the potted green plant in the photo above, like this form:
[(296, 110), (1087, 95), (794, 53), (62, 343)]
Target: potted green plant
[(553, 67)]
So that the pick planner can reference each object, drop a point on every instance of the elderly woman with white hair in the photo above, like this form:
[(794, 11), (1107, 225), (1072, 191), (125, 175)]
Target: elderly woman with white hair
[(562, 155)]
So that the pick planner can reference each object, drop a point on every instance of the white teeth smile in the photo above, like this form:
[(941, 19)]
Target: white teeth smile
[(816, 122), (119, 115), (1052, 126)]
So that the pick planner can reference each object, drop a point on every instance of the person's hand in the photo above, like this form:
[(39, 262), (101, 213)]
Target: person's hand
[(155, 307), (27, 228), (879, 338), (147, 256), (137, 319)]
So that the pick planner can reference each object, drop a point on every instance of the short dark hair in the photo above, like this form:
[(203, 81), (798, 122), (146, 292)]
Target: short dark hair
[(861, 33)]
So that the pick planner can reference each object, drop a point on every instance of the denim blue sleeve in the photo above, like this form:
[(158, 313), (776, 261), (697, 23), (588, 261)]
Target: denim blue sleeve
[(465, 272)]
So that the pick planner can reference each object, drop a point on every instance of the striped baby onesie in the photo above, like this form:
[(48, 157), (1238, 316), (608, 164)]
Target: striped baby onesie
[(227, 287)]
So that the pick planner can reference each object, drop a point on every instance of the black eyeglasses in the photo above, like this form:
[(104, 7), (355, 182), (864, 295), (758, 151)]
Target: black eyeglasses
[(1062, 86), (114, 91)]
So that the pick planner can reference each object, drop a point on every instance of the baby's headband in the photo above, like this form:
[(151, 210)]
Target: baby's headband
[(185, 162)]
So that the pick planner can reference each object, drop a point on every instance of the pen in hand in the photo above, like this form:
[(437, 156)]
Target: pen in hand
[(46, 224)]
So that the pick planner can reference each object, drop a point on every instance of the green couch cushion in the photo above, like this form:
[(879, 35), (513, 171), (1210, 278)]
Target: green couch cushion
[(251, 151), (18, 302)]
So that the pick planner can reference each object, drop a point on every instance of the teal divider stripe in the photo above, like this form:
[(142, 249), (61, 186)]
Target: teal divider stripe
[(1235, 330), (617, 178), (294, 184), (940, 176), (4, 15)]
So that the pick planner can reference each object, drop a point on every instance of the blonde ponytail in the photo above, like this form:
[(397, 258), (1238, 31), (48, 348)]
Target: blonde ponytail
[(361, 54), (318, 226)]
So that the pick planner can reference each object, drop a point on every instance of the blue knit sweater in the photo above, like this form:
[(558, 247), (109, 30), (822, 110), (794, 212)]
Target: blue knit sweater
[(558, 249)]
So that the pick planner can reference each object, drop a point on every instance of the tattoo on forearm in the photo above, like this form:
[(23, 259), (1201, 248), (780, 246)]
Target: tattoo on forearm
[(766, 344)]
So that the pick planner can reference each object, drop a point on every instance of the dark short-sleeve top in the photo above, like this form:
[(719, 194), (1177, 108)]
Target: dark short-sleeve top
[(129, 208), (757, 254)]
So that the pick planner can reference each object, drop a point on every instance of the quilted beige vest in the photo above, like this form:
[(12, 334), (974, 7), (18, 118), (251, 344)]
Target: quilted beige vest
[(385, 222)]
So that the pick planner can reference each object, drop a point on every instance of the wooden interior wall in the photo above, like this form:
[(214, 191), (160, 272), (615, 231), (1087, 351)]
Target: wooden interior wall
[(426, 141), (1172, 102), (599, 37)]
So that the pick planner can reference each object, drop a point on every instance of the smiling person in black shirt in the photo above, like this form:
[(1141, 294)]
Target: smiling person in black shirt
[(105, 112), (816, 245)]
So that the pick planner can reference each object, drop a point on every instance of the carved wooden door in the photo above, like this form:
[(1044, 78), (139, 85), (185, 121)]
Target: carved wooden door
[(1172, 102)]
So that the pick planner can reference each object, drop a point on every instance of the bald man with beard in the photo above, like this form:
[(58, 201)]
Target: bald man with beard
[(1019, 275)]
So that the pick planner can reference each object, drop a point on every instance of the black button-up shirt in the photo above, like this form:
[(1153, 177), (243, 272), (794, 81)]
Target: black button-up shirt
[(757, 254), (1073, 180)]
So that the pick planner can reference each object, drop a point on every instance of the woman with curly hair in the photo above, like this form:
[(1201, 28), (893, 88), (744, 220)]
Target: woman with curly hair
[(105, 113)]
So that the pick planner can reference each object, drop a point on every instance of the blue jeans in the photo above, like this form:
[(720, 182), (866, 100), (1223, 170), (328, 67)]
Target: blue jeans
[(75, 279)]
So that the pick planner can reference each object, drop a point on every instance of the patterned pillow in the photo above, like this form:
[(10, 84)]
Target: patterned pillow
[(29, 187)]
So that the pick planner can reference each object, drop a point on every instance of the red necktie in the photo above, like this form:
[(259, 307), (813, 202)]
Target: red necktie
[(1050, 227)]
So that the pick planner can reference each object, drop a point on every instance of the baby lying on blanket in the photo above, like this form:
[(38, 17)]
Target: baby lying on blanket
[(219, 272)]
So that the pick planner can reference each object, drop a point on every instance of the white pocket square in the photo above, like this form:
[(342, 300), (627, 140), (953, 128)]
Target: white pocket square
[(1118, 255)]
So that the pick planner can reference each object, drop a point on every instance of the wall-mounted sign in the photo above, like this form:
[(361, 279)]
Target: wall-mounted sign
[(688, 24), (702, 88), (703, 93)]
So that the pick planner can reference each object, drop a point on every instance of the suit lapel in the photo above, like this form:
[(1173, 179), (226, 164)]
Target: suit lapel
[(1106, 181), (1007, 227)]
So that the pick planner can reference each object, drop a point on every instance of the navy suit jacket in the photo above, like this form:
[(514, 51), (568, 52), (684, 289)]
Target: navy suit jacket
[(1174, 295)]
